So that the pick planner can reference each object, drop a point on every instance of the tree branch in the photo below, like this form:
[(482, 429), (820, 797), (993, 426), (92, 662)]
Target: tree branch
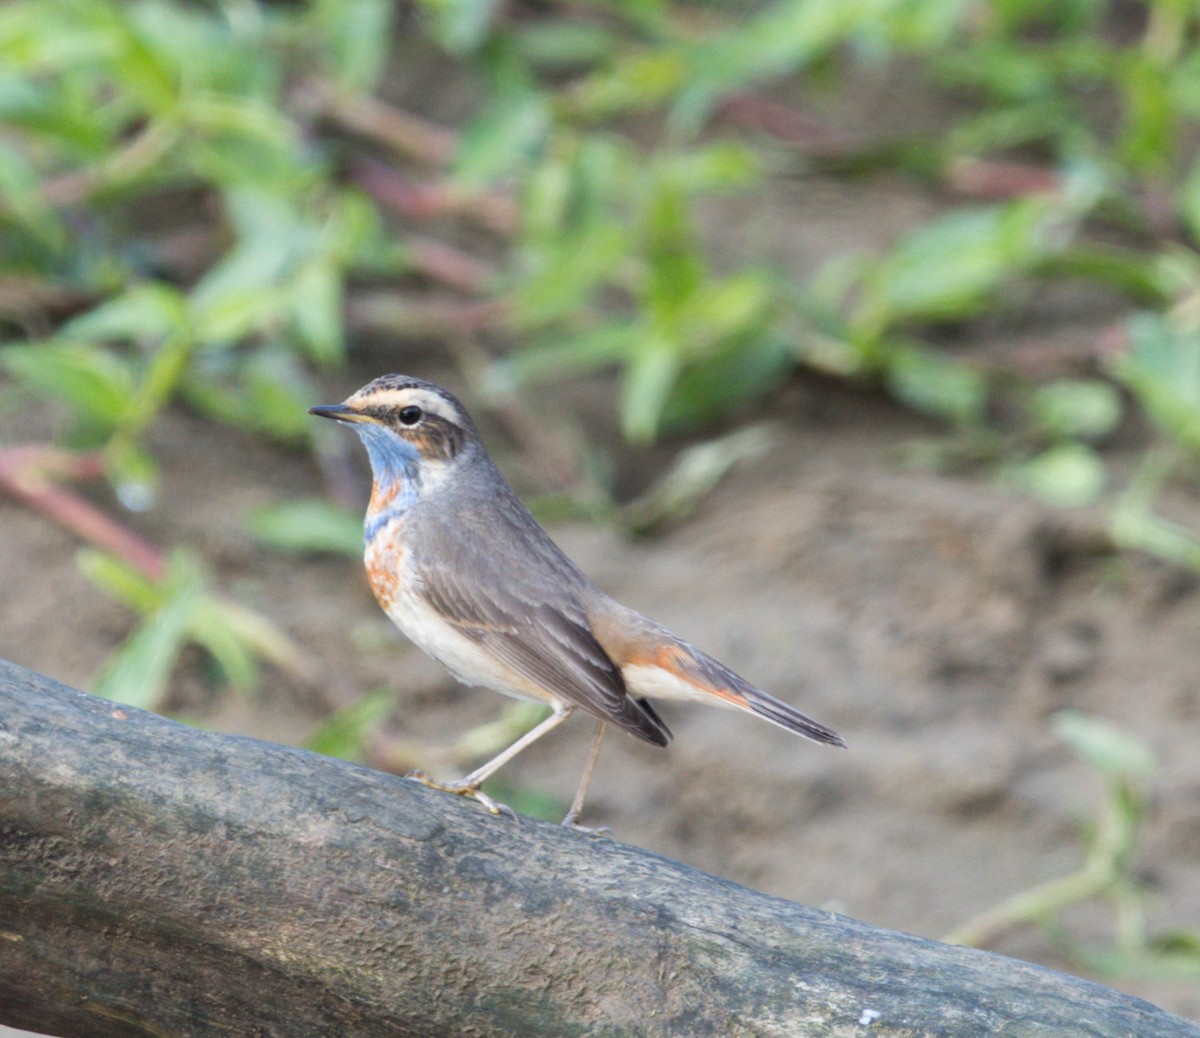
[(156, 879)]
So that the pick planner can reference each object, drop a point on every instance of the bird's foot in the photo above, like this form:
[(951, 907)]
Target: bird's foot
[(572, 822), (464, 789)]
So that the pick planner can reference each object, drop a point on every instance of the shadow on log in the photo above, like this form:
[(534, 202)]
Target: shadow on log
[(159, 880)]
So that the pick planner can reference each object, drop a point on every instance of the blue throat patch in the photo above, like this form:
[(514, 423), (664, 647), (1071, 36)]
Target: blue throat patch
[(393, 460)]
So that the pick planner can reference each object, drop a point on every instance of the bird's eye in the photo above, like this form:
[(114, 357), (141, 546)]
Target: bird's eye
[(410, 415)]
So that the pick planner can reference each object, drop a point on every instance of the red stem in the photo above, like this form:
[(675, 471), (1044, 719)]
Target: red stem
[(425, 201), (994, 179), (369, 117), (28, 474), (451, 266)]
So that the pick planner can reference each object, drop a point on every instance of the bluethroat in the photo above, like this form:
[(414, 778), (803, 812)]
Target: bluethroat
[(462, 568)]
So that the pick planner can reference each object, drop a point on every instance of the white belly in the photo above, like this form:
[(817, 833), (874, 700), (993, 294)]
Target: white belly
[(402, 598), (651, 682)]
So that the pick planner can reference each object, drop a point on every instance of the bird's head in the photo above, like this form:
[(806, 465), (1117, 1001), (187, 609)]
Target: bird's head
[(411, 428)]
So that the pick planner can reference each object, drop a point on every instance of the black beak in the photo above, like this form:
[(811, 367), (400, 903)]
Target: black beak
[(338, 412)]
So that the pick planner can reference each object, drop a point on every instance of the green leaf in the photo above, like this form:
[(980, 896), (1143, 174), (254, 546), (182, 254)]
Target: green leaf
[(578, 186), (564, 42), (777, 38), (21, 100), (21, 197), (240, 118), (1127, 271), (306, 526), (676, 267), (357, 37), (285, 269), (266, 392), (237, 311), (1069, 475), (947, 269), (119, 579), (137, 672), (272, 235), (1162, 369), (262, 637), (502, 137), (649, 377), (1112, 751), (1135, 526), (566, 276), (345, 733), (213, 627), (938, 386), (1189, 201), (1179, 942), (1084, 408), (151, 310), (725, 164), (141, 64), (735, 308), (207, 50), (243, 291), (317, 311), (460, 25), (691, 477), (638, 78), (568, 354), (1150, 131), (720, 384), (35, 37), (180, 609), (96, 385)]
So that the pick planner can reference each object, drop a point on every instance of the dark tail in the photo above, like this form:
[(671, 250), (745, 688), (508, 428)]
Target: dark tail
[(778, 712), (716, 678)]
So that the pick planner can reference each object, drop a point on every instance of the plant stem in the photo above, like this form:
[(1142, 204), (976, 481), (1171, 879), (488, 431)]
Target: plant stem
[(28, 472), (367, 116), (416, 317), (1036, 903), (424, 201)]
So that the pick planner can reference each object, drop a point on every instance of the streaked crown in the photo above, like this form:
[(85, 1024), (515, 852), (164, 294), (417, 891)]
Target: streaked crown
[(421, 413)]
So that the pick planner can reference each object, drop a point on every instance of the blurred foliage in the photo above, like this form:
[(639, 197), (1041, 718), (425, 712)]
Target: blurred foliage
[(346, 732), (209, 203), (177, 610), (307, 526), (1109, 872)]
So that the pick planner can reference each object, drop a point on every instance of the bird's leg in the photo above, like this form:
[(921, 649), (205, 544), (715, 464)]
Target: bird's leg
[(572, 819), (469, 787)]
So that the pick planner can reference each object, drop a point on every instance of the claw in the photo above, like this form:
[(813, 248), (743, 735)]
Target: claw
[(494, 806), (572, 822), (464, 789)]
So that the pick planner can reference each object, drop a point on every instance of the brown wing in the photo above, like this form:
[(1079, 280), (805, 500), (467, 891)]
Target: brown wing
[(520, 600)]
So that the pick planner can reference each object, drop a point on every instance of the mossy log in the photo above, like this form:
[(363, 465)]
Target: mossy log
[(160, 880)]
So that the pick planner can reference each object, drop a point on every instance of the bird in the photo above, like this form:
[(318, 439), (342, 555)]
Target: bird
[(463, 569)]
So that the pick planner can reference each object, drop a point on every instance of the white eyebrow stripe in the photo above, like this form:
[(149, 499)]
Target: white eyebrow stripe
[(394, 399)]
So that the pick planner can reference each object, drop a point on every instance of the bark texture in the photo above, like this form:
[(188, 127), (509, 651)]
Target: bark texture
[(160, 880)]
